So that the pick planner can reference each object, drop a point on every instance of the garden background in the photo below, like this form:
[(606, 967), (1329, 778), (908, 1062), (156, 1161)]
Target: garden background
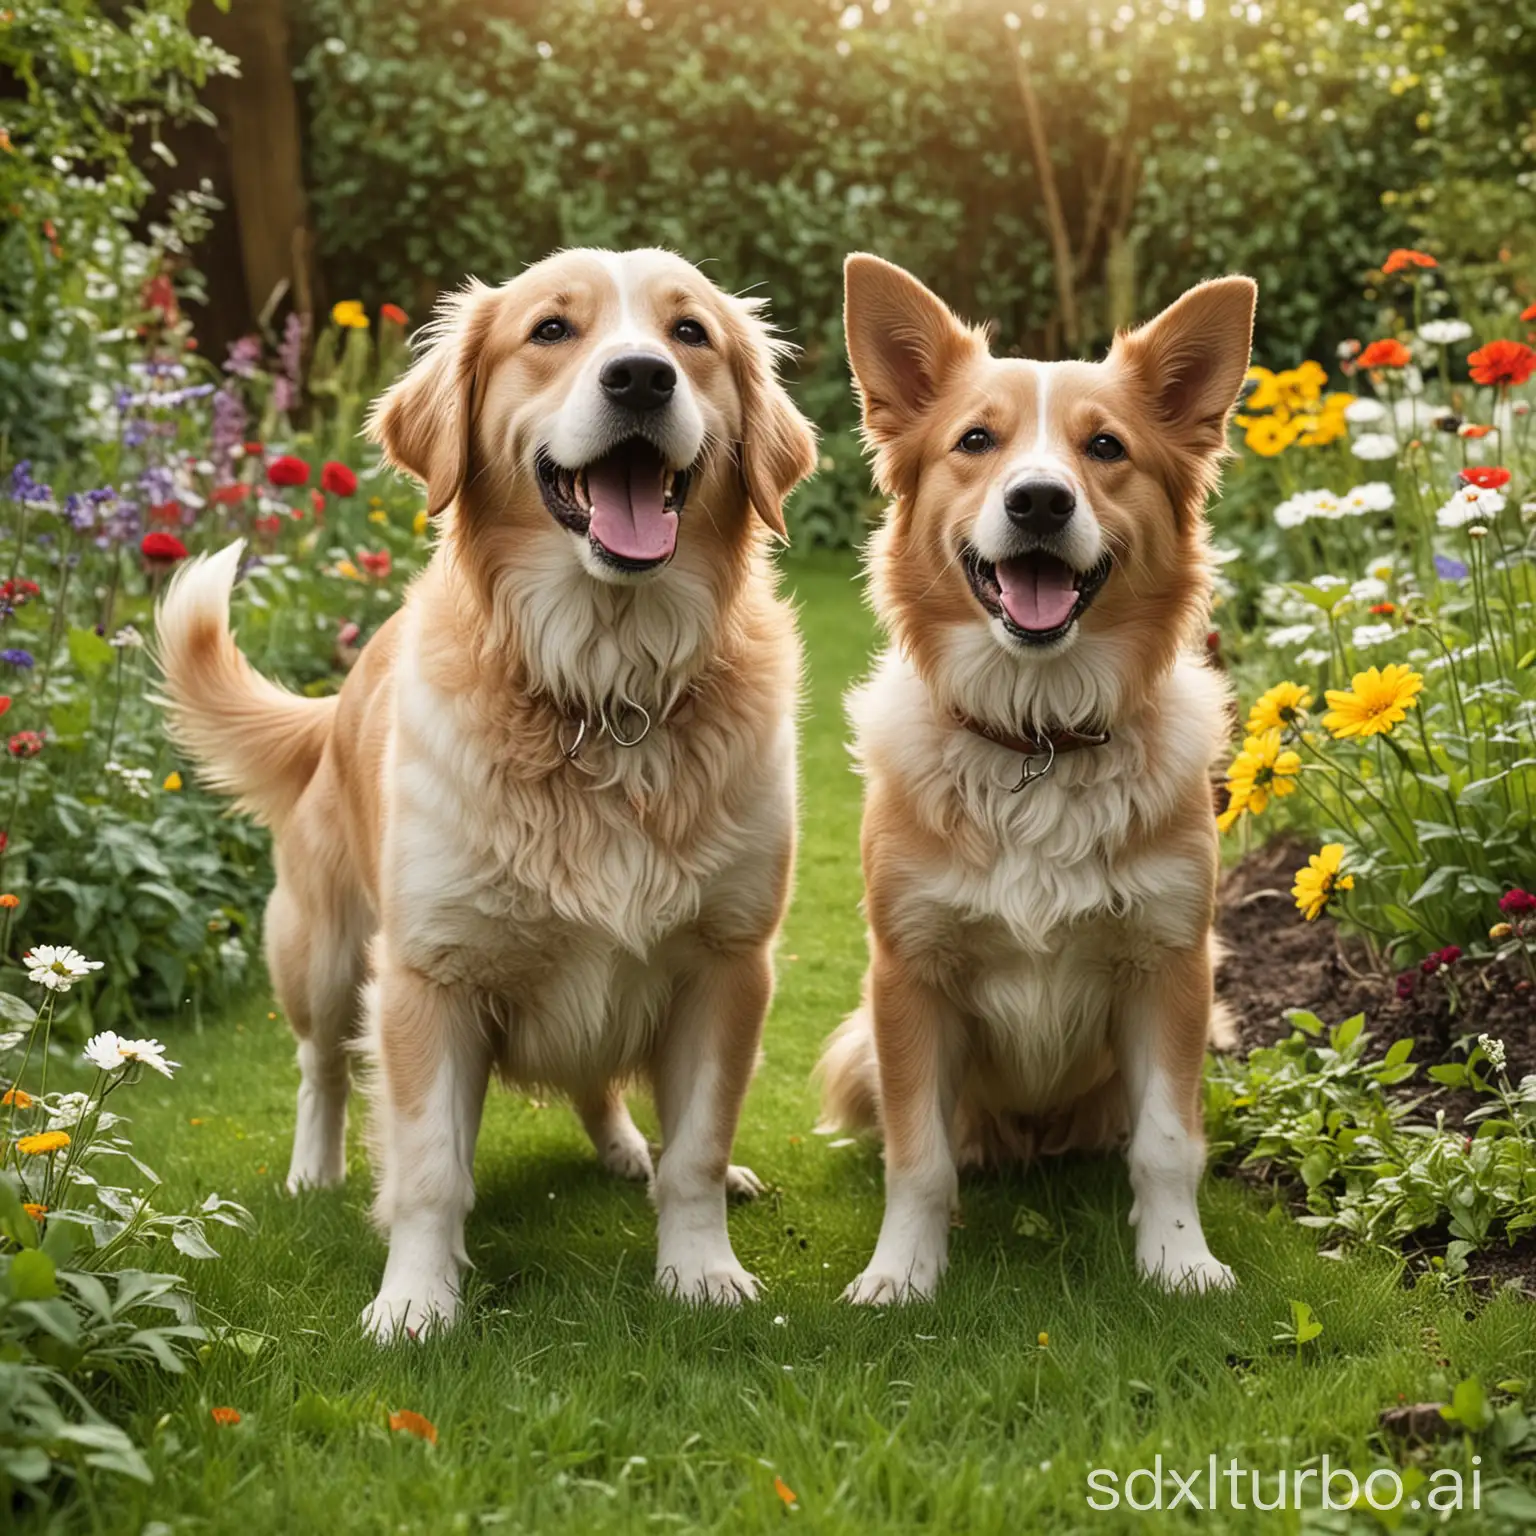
[(222, 224)]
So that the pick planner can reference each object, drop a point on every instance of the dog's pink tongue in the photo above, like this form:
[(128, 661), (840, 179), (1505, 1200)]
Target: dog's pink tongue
[(629, 516), (1037, 592)]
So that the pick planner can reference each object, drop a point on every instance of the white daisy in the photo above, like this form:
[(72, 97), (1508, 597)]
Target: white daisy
[(1328, 582), (1369, 589), (1374, 445), (1363, 411), (1367, 635), (1444, 333), (1294, 634), (1469, 505), (1373, 496), (105, 1051), (148, 1053), (57, 966), (127, 639), (1312, 657)]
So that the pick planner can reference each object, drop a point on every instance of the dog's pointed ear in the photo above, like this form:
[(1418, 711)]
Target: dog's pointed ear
[(904, 343), (1191, 360), (425, 420), (778, 445)]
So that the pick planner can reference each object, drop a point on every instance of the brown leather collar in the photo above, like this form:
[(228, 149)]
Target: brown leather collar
[(1040, 744)]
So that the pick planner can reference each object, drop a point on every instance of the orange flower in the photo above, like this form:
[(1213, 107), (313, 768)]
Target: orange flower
[(1401, 259), (34, 1210), (17, 1096), (393, 312), (1529, 312), (1502, 362), (9, 901), (225, 1418), (1384, 354), (1384, 610), (786, 1493), (414, 1424), (1472, 429)]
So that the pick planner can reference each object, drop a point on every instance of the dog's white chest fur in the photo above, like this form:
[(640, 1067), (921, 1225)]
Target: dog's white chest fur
[(1044, 901), (561, 903)]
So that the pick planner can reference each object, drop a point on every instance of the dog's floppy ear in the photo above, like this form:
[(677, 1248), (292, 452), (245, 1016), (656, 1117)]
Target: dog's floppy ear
[(425, 420), (904, 342), (778, 445), (1191, 360)]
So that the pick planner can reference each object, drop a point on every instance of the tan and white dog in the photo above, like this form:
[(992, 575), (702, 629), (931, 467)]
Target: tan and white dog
[(547, 826), (1039, 843)]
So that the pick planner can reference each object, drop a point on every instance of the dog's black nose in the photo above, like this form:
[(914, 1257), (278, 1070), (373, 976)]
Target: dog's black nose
[(1040, 507), (638, 381)]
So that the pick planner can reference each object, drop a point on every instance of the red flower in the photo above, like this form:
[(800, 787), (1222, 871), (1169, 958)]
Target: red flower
[(1472, 429), (5, 702), (376, 565), (1502, 362), (254, 449), (1485, 478), (1384, 354), (159, 293), (1517, 903), (1405, 985), (162, 548), (269, 523), (165, 512), (1529, 312), (26, 744), (1385, 610), (337, 479), (1400, 260), (399, 316), (19, 592), (229, 495), (288, 470)]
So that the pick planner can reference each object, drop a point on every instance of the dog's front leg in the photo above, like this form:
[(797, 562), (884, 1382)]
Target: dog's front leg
[(1161, 1027), (434, 1062), (702, 1066), (920, 1044)]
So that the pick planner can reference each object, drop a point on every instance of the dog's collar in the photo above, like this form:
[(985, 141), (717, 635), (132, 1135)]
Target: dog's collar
[(1032, 746)]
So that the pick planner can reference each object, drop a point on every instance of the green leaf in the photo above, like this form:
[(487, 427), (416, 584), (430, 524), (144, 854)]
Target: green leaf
[(89, 651), (1469, 1406), (16, 1010), (32, 1276), (1306, 1326)]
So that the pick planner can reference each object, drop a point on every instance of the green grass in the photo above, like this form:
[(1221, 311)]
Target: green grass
[(574, 1398)]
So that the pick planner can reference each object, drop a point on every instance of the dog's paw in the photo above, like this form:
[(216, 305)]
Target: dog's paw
[(742, 1184), (880, 1287), (411, 1312), (627, 1155), (1190, 1272), (720, 1282)]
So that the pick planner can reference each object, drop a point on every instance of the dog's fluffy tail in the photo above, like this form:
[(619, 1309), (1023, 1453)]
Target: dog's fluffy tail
[(253, 739), (850, 1076)]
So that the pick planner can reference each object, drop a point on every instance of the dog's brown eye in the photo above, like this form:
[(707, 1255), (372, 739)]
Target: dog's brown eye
[(690, 333), (1106, 449), (976, 440), (551, 330)]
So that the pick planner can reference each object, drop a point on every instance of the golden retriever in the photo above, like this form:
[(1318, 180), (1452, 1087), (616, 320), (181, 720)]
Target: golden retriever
[(1039, 843), (547, 825)]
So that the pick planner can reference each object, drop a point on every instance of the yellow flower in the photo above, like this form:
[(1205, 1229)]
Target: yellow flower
[(1042, 1339), (44, 1141), (1229, 818), (1260, 770), (1327, 424), (19, 1097), (347, 569), (1264, 396), (1269, 435), (1282, 706), (419, 523), (1374, 702), (172, 781), (1317, 884), (350, 315), (378, 515), (34, 1210)]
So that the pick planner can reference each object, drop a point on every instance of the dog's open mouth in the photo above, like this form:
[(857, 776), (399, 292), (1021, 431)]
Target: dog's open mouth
[(626, 503), (1037, 596)]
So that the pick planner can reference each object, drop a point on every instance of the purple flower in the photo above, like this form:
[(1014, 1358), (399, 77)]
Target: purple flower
[(82, 508), (283, 395), (229, 423), (26, 491), (158, 484), (16, 657), (159, 368), (1448, 569), (290, 355), (244, 357)]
